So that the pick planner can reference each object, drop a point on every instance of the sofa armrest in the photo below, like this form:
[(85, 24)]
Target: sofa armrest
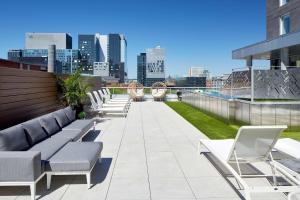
[(20, 166)]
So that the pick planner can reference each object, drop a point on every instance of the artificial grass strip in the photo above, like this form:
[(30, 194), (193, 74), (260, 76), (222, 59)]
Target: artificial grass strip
[(212, 127)]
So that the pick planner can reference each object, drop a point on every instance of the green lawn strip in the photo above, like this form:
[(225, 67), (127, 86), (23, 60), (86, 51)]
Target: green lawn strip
[(209, 125), (293, 135), (118, 90), (213, 126)]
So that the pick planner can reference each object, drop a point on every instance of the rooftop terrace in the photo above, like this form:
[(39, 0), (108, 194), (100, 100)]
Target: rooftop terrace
[(151, 154)]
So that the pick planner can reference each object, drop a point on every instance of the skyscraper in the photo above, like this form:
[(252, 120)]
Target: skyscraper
[(89, 48), (151, 66), (114, 49), (43, 40), (141, 68), (155, 66), (103, 40), (124, 54)]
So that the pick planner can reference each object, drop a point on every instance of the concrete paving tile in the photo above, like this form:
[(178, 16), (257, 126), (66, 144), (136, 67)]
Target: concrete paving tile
[(211, 187), (129, 188), (170, 188)]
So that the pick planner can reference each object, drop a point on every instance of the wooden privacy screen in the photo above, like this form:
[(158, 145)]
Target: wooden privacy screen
[(25, 94)]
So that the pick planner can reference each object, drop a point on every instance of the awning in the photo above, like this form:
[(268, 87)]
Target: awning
[(263, 50)]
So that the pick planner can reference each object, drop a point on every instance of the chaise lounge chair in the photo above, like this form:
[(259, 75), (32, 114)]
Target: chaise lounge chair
[(109, 104), (106, 98), (252, 144), (291, 148), (106, 110)]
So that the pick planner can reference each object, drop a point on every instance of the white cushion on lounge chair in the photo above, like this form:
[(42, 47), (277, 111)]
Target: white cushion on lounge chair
[(289, 146), (220, 148), (252, 143)]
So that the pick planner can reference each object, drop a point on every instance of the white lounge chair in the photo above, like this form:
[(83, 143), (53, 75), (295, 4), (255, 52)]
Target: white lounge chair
[(252, 144), (109, 104), (292, 148), (289, 146), (106, 110), (104, 96)]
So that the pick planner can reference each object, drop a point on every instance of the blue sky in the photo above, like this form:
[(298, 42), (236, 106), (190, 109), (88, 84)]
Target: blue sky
[(193, 32)]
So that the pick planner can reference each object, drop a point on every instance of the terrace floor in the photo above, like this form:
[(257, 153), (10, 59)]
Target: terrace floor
[(150, 155)]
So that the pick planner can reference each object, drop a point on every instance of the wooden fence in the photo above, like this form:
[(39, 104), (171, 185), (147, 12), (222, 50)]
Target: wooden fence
[(25, 94)]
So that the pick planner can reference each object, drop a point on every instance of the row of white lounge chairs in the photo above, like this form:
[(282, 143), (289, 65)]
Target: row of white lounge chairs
[(103, 102), (256, 144)]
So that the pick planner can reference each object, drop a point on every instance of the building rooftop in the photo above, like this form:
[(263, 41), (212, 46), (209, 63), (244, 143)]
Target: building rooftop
[(151, 154)]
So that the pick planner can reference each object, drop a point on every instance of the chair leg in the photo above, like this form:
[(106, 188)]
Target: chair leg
[(32, 191), (88, 180), (49, 176)]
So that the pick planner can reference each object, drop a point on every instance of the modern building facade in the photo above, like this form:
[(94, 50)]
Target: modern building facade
[(124, 55), (114, 49), (14, 54), (195, 82), (219, 81), (155, 65), (89, 48), (68, 59), (101, 69), (282, 45), (103, 40), (141, 68), (199, 72), (43, 40)]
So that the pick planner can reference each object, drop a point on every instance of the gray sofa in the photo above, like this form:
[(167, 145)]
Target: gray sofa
[(44, 145)]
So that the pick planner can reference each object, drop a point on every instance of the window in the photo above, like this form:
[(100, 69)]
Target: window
[(283, 2), (284, 24)]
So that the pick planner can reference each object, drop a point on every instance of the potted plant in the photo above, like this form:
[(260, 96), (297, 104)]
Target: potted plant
[(74, 91), (82, 115)]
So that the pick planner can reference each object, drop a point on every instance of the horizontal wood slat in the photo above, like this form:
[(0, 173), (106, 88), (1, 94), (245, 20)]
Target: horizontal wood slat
[(18, 104), (23, 73), (19, 79), (8, 86), (25, 94), (10, 99), (15, 92)]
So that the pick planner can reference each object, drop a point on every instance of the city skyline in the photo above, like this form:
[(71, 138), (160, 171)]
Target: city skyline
[(207, 29)]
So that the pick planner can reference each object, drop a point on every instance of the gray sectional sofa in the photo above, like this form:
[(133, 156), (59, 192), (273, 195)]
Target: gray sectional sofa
[(46, 145)]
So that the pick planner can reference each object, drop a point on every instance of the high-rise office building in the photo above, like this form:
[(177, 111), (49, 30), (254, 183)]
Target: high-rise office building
[(114, 49), (155, 65), (43, 40), (124, 54), (89, 48), (199, 72), (141, 68), (68, 59), (116, 56), (14, 54), (103, 40), (151, 66)]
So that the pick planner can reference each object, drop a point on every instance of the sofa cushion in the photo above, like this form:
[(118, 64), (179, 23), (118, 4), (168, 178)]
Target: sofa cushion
[(49, 123), (13, 139), (82, 124), (61, 118), (76, 156), (71, 114), (49, 147), (74, 135), (34, 131)]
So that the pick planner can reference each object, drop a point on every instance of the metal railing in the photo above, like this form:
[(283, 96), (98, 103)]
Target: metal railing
[(170, 90)]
